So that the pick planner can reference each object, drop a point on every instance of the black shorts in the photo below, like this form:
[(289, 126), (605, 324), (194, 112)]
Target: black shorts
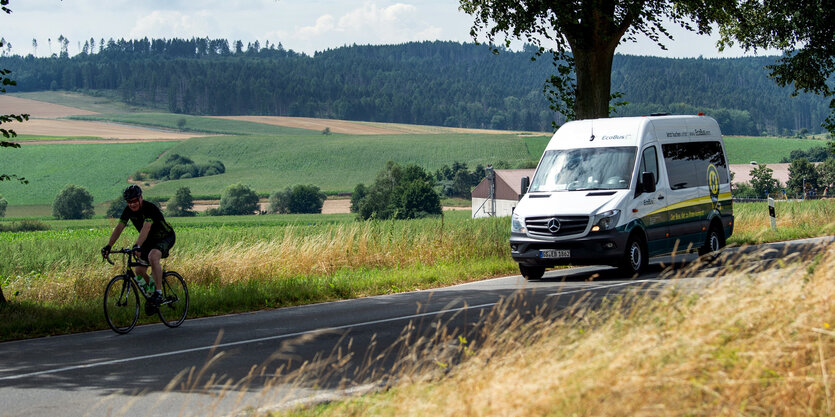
[(164, 245)]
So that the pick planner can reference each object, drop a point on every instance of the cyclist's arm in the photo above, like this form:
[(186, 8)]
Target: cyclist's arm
[(143, 234), (117, 231)]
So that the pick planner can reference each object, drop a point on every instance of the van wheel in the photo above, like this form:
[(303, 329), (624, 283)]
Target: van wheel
[(635, 259), (532, 272), (715, 240)]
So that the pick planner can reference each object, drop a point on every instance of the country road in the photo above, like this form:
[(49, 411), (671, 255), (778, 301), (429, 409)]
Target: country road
[(223, 365)]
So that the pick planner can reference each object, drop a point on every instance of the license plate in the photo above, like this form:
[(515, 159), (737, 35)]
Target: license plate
[(554, 253)]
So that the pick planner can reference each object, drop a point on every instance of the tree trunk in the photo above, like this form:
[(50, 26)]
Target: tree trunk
[(593, 69), (2, 298)]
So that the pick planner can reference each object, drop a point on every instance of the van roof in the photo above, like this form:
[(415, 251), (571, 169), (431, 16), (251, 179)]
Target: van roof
[(633, 131)]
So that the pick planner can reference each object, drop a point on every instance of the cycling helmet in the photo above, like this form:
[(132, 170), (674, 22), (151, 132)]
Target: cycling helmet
[(132, 191)]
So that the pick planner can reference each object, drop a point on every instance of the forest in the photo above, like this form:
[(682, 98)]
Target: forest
[(430, 83)]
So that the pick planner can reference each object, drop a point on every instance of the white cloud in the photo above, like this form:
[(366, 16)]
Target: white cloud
[(324, 25), (170, 24)]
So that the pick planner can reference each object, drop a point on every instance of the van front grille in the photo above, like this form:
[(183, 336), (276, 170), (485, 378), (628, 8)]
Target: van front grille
[(553, 226)]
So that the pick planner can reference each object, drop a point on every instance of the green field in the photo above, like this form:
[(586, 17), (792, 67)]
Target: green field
[(333, 162), (269, 158), (100, 168), (765, 150)]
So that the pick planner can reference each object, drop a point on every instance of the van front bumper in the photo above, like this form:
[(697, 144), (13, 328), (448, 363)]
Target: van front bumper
[(602, 248)]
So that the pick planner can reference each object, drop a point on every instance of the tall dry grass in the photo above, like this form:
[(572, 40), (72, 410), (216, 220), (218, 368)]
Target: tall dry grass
[(753, 344)]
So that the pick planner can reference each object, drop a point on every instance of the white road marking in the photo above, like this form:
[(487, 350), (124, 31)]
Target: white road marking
[(289, 335)]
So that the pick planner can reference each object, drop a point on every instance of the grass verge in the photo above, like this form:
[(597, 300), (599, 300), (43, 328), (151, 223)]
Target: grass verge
[(758, 344)]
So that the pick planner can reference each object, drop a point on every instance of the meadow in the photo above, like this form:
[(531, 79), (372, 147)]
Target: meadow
[(335, 163), (746, 343), (244, 263), (100, 168)]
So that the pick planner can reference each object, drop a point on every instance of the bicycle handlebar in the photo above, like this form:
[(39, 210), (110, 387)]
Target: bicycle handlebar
[(127, 251)]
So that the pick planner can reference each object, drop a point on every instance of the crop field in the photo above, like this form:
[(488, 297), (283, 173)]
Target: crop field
[(765, 150), (332, 162), (100, 168)]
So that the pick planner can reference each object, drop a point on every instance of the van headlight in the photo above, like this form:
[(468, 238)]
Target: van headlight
[(517, 224), (605, 221)]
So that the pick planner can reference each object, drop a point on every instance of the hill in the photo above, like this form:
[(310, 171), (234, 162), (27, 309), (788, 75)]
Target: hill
[(426, 83)]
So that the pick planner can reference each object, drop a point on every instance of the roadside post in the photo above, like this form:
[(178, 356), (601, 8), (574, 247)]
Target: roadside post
[(772, 213)]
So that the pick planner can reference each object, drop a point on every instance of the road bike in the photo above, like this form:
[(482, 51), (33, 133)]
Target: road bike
[(121, 297)]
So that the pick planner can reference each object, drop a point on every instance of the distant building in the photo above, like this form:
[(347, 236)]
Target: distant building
[(501, 199)]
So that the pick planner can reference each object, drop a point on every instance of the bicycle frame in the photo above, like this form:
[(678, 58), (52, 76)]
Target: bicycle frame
[(130, 264)]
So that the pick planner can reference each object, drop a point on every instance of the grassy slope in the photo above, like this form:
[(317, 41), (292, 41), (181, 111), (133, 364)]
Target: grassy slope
[(100, 168), (334, 162), (765, 150)]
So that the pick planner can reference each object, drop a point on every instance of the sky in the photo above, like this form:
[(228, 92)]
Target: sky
[(304, 26)]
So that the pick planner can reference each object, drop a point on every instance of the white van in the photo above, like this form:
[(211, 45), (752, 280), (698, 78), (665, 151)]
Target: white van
[(618, 191)]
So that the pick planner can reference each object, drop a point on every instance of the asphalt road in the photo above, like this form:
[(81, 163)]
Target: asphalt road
[(275, 358)]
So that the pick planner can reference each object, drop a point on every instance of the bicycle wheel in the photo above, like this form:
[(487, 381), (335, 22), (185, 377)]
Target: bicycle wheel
[(121, 304), (174, 306)]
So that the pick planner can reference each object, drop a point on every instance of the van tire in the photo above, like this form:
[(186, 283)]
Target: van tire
[(714, 241), (635, 258), (532, 272)]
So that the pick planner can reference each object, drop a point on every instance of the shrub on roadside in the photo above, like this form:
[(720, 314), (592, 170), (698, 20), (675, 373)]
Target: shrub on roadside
[(3, 205)]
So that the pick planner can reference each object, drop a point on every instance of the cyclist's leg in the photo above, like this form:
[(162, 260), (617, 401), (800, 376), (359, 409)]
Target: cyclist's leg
[(154, 257), (156, 252)]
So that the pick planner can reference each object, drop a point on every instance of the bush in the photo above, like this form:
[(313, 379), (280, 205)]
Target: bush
[(180, 167), (73, 203), (181, 205), (24, 226), (3, 205), (401, 193), (280, 201), (117, 206), (299, 199), (238, 199), (306, 199)]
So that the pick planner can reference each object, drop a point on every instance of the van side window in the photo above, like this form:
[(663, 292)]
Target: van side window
[(687, 163), (649, 162)]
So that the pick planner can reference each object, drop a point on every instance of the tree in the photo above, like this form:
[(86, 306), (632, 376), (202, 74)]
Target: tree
[(826, 176), (400, 193), (238, 199), (117, 206), (359, 193), (73, 202), (8, 118), (3, 205), (182, 204), (803, 30), (803, 177), (763, 182), (306, 199), (299, 199), (583, 36)]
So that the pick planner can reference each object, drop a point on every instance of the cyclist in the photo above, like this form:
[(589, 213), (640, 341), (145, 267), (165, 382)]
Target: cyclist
[(156, 237)]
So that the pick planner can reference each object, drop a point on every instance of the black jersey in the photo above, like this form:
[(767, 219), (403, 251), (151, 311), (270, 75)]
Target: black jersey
[(148, 212)]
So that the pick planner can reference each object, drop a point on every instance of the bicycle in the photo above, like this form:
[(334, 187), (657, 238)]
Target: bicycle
[(121, 297)]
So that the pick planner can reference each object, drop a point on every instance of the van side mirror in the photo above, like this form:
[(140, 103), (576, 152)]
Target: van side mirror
[(526, 182), (647, 182)]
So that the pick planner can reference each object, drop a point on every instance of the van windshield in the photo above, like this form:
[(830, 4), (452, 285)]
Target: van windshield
[(585, 169)]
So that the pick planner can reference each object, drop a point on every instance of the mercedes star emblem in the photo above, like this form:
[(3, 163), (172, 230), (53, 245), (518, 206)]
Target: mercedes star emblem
[(554, 225)]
